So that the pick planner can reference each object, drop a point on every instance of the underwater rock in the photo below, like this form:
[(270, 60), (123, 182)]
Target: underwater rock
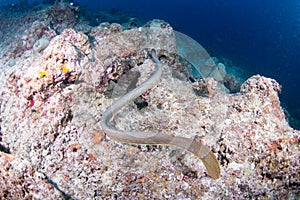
[(52, 145), (11, 62), (33, 185), (222, 70), (117, 51), (218, 73), (40, 45), (62, 15)]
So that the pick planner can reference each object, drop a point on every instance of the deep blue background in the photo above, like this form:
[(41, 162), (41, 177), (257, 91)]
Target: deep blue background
[(262, 36)]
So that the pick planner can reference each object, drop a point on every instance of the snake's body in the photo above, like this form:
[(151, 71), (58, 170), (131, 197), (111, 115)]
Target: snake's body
[(153, 138)]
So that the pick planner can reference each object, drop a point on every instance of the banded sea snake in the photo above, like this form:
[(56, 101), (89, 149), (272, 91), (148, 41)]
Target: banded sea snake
[(152, 138)]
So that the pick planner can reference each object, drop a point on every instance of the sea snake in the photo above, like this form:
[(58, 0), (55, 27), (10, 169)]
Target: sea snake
[(153, 138)]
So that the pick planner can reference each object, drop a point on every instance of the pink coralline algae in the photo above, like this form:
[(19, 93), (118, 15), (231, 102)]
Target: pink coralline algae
[(52, 99), (62, 15)]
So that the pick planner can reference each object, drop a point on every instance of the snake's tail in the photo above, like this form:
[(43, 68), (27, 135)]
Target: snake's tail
[(201, 151), (212, 165)]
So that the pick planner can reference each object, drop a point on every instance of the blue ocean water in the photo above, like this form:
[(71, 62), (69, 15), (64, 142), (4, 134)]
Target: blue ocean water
[(262, 36)]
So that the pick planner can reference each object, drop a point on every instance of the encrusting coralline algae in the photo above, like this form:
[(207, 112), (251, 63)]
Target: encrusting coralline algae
[(52, 99)]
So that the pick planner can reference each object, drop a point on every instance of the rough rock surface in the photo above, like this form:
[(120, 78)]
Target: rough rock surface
[(52, 145)]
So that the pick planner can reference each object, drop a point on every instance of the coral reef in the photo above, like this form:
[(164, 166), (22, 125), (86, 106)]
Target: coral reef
[(52, 99), (62, 15)]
